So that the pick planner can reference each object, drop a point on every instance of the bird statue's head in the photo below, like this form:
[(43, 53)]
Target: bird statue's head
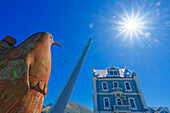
[(42, 40), (46, 38)]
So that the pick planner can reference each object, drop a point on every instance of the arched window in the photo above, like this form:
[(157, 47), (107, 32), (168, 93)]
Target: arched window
[(111, 72), (118, 101), (104, 86), (132, 102), (127, 86), (115, 72), (106, 102), (115, 84)]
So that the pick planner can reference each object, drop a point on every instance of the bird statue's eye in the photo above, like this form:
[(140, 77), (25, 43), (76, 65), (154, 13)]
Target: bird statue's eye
[(51, 37)]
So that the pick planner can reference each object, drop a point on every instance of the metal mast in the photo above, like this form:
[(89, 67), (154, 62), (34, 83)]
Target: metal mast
[(61, 102)]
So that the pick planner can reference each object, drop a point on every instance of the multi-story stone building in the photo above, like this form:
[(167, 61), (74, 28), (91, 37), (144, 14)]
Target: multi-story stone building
[(117, 91)]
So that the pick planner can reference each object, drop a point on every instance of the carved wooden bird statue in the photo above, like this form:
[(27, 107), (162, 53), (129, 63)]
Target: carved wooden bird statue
[(24, 75)]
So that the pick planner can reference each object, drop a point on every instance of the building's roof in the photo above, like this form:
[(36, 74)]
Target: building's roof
[(121, 72), (101, 73), (158, 110)]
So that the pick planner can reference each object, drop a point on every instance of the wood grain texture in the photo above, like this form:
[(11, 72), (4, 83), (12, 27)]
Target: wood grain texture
[(24, 75)]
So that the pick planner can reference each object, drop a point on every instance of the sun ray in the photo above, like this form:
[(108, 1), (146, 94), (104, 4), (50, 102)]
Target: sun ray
[(131, 24)]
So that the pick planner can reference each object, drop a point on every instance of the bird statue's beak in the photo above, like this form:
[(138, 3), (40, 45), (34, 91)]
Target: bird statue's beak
[(56, 44)]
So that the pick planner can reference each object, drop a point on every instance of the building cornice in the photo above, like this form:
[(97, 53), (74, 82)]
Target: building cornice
[(114, 78), (123, 93)]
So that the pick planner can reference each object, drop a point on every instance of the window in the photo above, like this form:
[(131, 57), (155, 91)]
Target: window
[(111, 72), (132, 103), (127, 86), (104, 85), (115, 84), (115, 73), (118, 101), (106, 102)]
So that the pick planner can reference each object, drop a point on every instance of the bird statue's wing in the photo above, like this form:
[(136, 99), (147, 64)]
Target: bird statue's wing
[(13, 82)]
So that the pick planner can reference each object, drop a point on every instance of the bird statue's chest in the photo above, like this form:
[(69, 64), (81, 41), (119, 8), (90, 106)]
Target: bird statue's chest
[(41, 64)]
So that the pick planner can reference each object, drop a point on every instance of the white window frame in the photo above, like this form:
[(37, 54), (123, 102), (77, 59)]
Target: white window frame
[(117, 84), (110, 74), (129, 86), (135, 108), (104, 102), (117, 73), (106, 86), (113, 73), (120, 101)]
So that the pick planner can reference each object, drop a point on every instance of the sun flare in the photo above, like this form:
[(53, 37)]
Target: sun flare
[(131, 25)]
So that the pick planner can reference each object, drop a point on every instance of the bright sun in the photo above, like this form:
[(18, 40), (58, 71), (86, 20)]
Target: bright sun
[(131, 25)]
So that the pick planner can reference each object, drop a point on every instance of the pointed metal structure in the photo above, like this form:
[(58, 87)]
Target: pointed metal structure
[(61, 102)]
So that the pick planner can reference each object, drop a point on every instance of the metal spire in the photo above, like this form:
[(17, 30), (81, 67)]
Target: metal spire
[(61, 102)]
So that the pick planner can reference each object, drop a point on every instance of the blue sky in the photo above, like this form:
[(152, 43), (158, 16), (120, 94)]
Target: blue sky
[(72, 23)]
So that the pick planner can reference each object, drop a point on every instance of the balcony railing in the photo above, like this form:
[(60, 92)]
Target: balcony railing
[(121, 108), (117, 90)]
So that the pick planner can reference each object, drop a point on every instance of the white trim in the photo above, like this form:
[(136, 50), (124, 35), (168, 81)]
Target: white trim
[(117, 84), (123, 93), (94, 78), (109, 75), (135, 108), (117, 73), (143, 101), (137, 112), (117, 112), (137, 83), (120, 100), (94, 93), (120, 78), (129, 86), (106, 86), (141, 96), (133, 93), (108, 102)]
